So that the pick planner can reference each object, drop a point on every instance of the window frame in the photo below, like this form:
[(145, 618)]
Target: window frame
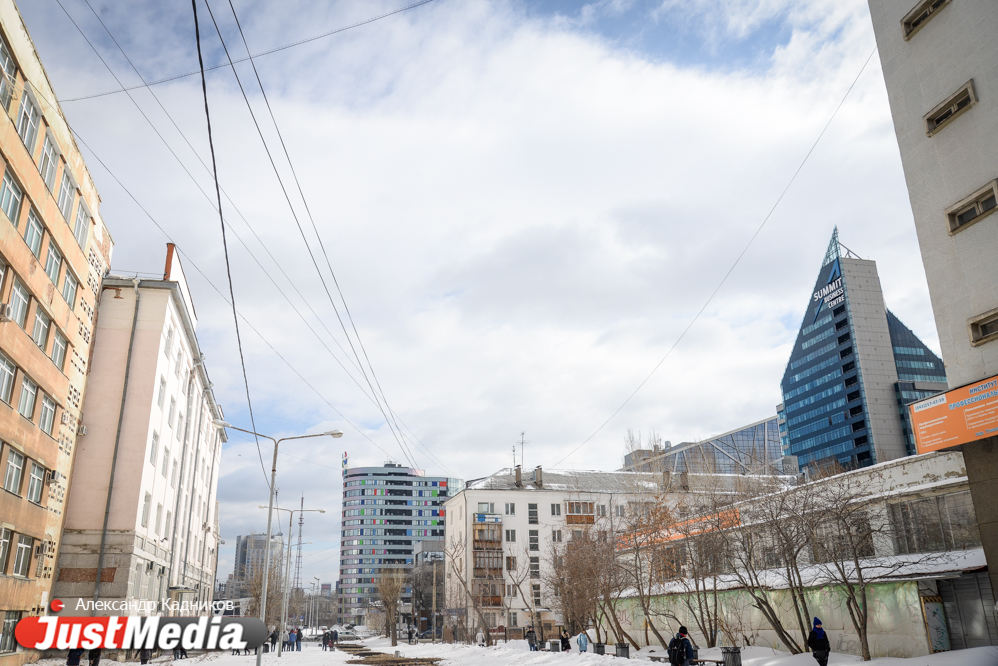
[(46, 417), (8, 373), (49, 160), (40, 329), (67, 193), (11, 187), (13, 485), (60, 345), (975, 201), (53, 251), (934, 124), (8, 77), (979, 335), (34, 224), (36, 483), (81, 224), (906, 23), (33, 122), (5, 538), (25, 381), (68, 279), (24, 545)]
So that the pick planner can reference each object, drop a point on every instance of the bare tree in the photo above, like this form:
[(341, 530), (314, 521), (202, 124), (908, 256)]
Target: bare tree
[(391, 585), (275, 588)]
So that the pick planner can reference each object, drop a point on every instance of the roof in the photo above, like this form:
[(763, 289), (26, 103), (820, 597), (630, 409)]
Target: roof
[(590, 481)]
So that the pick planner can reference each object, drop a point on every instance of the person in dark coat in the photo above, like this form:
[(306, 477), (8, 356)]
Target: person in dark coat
[(74, 656), (566, 641), (685, 646), (531, 638), (335, 637), (817, 640), (273, 640), (94, 656), (144, 655)]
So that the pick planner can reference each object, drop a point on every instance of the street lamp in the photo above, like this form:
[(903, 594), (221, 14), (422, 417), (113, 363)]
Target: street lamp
[(287, 568), (315, 597), (270, 510)]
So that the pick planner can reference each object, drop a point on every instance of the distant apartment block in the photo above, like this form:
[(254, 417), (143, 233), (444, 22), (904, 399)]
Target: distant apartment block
[(249, 556)]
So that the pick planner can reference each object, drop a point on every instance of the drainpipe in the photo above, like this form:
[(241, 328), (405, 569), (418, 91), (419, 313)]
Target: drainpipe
[(117, 441), (180, 486)]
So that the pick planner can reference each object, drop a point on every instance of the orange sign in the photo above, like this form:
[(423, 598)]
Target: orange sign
[(956, 417)]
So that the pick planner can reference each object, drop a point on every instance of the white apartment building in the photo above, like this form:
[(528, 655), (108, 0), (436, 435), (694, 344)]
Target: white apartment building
[(501, 530), (142, 516), (938, 59)]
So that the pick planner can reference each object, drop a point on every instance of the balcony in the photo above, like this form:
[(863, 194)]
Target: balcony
[(487, 518), (577, 519), (490, 573), (489, 601)]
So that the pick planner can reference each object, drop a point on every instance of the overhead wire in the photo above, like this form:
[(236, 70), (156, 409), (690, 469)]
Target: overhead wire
[(239, 238), (302, 233), (731, 268), (188, 259), (225, 244), (315, 228), (255, 55)]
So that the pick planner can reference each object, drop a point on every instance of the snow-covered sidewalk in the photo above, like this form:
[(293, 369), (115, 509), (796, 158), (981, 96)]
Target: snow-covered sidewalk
[(515, 653)]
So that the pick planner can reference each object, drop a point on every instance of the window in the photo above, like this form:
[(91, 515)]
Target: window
[(162, 392), (47, 418), (535, 567), (973, 209), (146, 505), (19, 303), (580, 508), (169, 342), (486, 507), (180, 428), (510, 536), (173, 409), (510, 563), (947, 111), (15, 470), (166, 460), (22, 558), (5, 536), (935, 524), (40, 333), (173, 475), (26, 404), (169, 521), (33, 234), (69, 285), (35, 481), (621, 510), (10, 198), (27, 122), (536, 587), (50, 160), (577, 535), (555, 509), (532, 514), (7, 370), (59, 350), (66, 192), (510, 509), (920, 15), (159, 518), (556, 536), (10, 618), (534, 539), (984, 328), (601, 510), (53, 262), (8, 77), (154, 447), (82, 225)]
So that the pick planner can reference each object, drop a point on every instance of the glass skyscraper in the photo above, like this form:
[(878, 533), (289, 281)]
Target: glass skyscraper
[(853, 369)]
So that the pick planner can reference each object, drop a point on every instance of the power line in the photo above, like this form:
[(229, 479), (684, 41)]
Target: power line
[(731, 269), (190, 261), (256, 55), (302, 232)]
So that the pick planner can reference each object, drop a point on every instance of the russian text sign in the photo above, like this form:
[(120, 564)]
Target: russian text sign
[(956, 417)]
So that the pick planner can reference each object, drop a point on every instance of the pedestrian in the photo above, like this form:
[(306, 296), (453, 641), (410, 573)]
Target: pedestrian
[(681, 649), (480, 638), (412, 634), (336, 637), (74, 656), (144, 655), (817, 640), (566, 640), (94, 656), (292, 639), (273, 640), (531, 638), (285, 640), (583, 641), (298, 639)]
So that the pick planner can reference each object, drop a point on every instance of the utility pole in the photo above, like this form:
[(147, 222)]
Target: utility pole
[(521, 448), (433, 612), (297, 584)]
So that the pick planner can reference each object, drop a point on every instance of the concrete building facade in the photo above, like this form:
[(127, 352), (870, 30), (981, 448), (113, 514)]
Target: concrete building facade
[(938, 59), (54, 251), (249, 557), (142, 516)]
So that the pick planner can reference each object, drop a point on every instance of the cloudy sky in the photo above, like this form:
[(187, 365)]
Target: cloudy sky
[(525, 204)]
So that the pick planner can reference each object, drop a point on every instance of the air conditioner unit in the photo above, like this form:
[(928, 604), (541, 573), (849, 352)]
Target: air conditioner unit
[(162, 571), (65, 417), (53, 477), (82, 430), (6, 312), (150, 566)]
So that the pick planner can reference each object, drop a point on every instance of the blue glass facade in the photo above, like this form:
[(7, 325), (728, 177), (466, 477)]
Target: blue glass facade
[(827, 403)]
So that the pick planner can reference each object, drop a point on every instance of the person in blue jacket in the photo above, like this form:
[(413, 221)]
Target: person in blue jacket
[(583, 641), (683, 644)]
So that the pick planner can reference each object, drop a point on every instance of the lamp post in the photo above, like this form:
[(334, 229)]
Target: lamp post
[(270, 511), (315, 597), (287, 568)]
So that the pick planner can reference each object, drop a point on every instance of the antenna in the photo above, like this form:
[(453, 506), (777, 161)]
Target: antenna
[(301, 522), (521, 448)]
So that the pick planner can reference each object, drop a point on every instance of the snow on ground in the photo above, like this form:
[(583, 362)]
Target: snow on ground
[(515, 653)]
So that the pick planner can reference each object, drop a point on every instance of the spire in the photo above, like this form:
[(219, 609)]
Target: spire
[(833, 248)]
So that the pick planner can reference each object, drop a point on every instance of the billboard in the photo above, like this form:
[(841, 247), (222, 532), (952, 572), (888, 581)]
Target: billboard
[(956, 417)]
